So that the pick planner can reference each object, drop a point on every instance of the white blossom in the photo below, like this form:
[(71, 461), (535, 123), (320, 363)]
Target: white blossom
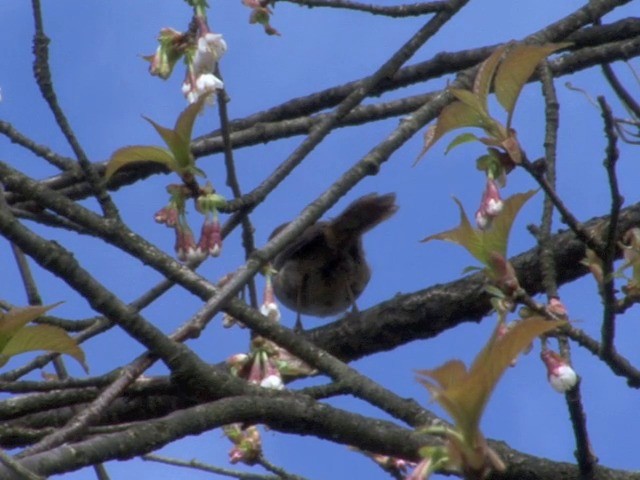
[(211, 47), (205, 83), (563, 378), (272, 381)]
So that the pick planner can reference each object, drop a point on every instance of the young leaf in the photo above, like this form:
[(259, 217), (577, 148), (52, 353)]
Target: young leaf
[(16, 318), (460, 139), (42, 337), (178, 140), (512, 147), (455, 115), (471, 99), (482, 82), (139, 153), (482, 243), (185, 121), (464, 235), (514, 71), (495, 239), (178, 145), (16, 338), (465, 393)]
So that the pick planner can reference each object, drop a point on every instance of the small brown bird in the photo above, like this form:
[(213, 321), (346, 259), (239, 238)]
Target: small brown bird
[(324, 271)]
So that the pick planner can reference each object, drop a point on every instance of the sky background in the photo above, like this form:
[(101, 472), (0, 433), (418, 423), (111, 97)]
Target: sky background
[(104, 87)]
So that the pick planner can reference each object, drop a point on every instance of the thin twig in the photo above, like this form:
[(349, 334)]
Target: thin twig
[(42, 74), (197, 465), (610, 246), (248, 241), (616, 362), (278, 471), (550, 144), (567, 217), (93, 412), (63, 163), (625, 97), (33, 296), (396, 11), (584, 454)]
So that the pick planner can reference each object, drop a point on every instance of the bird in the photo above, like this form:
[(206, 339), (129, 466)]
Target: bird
[(324, 270)]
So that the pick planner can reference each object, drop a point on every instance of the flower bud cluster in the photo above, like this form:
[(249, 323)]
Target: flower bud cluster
[(247, 444), (174, 216), (201, 53), (260, 366)]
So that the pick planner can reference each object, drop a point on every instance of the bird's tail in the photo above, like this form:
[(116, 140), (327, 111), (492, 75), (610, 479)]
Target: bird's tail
[(363, 214)]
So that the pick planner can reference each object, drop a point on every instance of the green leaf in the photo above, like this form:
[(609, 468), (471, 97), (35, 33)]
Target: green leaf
[(16, 318), (139, 153), (184, 123), (516, 68), (43, 337), (179, 139), (178, 145), (489, 163), (460, 139), (470, 268), (453, 116)]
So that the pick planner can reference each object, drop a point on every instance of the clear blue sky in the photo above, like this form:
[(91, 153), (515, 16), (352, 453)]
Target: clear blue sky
[(104, 87)]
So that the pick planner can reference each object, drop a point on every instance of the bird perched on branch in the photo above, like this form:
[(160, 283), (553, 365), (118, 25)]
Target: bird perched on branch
[(324, 270)]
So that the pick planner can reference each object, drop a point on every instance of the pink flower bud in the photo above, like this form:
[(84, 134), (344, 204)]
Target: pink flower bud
[(269, 306), (421, 470), (557, 308), (237, 359), (559, 373), (185, 246), (211, 236), (167, 215), (483, 221), (490, 205), (235, 455), (271, 311)]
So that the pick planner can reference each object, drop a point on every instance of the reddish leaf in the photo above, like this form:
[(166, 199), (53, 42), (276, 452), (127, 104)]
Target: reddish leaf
[(484, 77), (455, 115), (482, 243), (516, 68), (464, 235), (465, 393), (496, 238)]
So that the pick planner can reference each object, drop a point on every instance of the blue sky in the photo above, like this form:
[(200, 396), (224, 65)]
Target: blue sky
[(103, 86)]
